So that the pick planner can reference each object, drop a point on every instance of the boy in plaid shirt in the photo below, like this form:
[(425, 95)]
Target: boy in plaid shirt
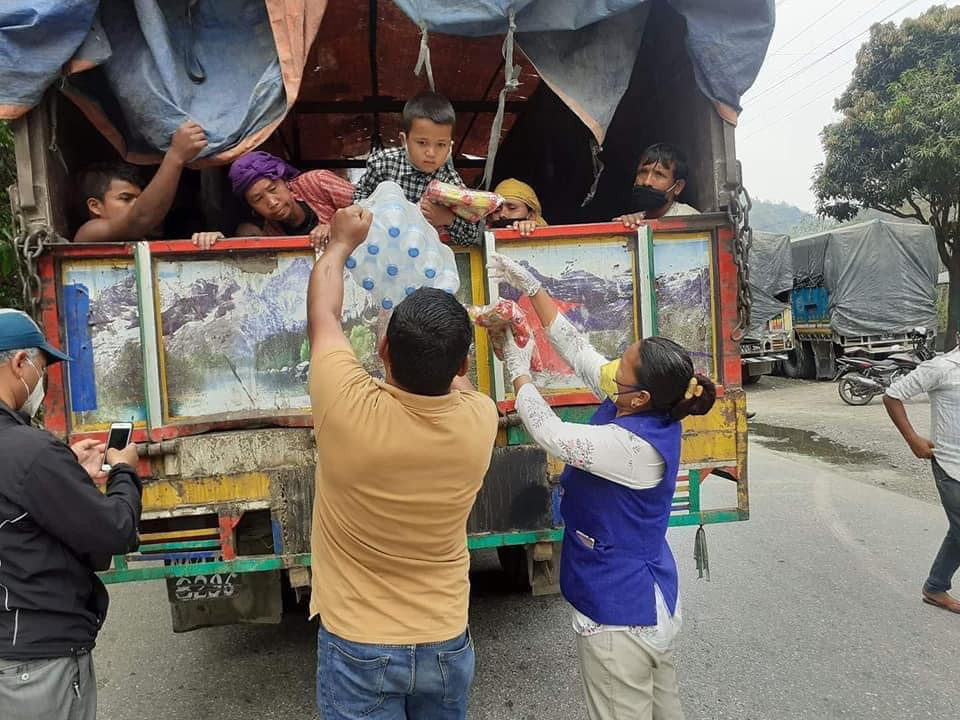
[(426, 154)]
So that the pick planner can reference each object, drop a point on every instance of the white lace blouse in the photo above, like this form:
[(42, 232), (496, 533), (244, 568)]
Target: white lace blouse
[(608, 451)]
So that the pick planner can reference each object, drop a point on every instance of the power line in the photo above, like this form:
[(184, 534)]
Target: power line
[(882, 64), (784, 118), (828, 39), (833, 9), (805, 87), (831, 52)]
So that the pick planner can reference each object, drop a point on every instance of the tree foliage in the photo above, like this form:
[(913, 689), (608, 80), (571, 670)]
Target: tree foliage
[(9, 279), (897, 147)]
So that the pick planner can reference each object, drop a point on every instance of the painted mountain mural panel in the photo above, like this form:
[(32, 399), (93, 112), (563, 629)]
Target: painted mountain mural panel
[(234, 334), (103, 336), (683, 286), (593, 285)]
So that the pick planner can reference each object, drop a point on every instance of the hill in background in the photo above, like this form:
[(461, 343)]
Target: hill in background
[(781, 217)]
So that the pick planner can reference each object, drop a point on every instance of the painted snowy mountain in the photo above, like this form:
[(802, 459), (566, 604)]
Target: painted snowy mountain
[(235, 312), (687, 287), (595, 303)]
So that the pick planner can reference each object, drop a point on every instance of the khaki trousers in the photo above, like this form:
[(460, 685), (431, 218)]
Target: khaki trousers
[(624, 679), (56, 689)]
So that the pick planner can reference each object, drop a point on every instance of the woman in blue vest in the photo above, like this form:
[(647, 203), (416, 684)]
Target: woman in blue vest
[(617, 491)]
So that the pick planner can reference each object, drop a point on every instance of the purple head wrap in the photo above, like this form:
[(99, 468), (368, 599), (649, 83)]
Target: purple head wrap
[(249, 168)]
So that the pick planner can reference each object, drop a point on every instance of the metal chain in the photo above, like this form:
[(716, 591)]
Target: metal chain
[(738, 210), (29, 246)]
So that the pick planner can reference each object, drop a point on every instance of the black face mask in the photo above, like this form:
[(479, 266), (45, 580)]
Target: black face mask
[(645, 198), (501, 223)]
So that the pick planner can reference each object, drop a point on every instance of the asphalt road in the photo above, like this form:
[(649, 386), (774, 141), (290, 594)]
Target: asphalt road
[(813, 611), (809, 419)]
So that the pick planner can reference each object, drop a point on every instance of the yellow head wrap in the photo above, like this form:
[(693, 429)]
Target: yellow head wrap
[(512, 189)]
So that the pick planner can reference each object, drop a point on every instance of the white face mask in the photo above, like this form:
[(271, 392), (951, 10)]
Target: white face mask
[(34, 397)]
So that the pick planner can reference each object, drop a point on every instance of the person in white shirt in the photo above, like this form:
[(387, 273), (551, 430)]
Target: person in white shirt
[(617, 493), (661, 177), (940, 379)]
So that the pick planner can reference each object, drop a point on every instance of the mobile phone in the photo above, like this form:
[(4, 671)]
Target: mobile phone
[(118, 439)]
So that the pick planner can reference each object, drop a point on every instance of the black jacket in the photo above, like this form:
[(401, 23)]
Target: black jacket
[(56, 529)]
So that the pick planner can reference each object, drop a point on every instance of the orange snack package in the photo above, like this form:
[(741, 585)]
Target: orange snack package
[(496, 318), (471, 205)]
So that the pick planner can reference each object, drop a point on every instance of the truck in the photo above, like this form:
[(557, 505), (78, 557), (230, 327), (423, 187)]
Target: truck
[(205, 351), (860, 289), (769, 339)]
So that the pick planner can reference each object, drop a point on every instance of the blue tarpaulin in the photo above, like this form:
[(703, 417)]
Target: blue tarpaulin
[(138, 68), (37, 38), (585, 50)]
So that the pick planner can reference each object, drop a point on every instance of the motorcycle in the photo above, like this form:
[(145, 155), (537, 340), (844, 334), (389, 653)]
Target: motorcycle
[(861, 379)]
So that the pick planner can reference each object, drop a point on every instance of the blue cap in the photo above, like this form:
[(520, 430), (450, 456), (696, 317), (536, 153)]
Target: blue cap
[(19, 332)]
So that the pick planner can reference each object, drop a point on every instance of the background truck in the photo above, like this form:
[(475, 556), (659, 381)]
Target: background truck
[(769, 339), (860, 288), (206, 352)]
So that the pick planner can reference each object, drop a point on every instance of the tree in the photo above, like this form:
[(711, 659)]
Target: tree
[(10, 293), (897, 147)]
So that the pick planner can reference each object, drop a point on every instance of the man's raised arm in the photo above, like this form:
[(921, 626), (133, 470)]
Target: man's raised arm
[(153, 204), (348, 229)]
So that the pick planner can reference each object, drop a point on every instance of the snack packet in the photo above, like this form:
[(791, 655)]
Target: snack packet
[(471, 205), (496, 318)]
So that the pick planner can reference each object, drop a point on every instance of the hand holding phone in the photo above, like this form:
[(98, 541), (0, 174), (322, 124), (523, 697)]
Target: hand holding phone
[(119, 449), (128, 456)]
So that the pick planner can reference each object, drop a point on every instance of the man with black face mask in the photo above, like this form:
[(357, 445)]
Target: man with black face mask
[(56, 529), (661, 177)]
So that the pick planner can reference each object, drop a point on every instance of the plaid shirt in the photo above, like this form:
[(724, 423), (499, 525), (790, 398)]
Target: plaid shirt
[(392, 164)]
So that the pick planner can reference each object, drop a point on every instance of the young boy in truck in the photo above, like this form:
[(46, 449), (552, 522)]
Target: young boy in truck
[(426, 154), (118, 206), (661, 177)]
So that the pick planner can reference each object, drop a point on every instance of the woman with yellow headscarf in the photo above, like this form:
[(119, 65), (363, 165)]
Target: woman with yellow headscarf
[(521, 208)]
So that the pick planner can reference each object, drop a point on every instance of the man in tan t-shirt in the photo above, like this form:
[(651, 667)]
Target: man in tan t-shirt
[(399, 465)]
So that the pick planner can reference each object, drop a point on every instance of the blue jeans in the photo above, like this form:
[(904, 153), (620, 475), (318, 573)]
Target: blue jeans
[(948, 559), (393, 682)]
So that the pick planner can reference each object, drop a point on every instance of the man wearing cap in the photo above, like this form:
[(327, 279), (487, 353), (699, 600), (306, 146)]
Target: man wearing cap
[(56, 529), (521, 209)]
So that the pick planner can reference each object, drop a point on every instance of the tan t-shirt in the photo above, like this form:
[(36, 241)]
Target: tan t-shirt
[(397, 475)]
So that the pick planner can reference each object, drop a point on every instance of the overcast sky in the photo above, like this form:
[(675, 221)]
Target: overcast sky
[(809, 63)]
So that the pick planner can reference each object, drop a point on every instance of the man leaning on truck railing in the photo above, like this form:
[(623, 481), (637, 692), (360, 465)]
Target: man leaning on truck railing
[(661, 178), (56, 529), (399, 465), (119, 208)]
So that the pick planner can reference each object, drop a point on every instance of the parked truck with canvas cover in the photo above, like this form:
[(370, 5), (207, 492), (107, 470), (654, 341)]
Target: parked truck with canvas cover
[(769, 338), (860, 289), (205, 352)]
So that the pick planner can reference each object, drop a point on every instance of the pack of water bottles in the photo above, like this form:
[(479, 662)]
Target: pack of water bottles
[(402, 252)]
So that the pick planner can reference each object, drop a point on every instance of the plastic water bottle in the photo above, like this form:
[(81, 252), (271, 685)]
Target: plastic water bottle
[(429, 265), (402, 251), (377, 240), (391, 294), (415, 241), (356, 258), (392, 218), (367, 272), (448, 281)]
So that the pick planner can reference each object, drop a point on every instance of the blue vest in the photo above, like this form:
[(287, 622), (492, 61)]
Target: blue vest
[(615, 538)]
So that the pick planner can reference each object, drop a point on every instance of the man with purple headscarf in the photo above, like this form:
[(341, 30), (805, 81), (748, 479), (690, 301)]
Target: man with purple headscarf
[(286, 201)]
